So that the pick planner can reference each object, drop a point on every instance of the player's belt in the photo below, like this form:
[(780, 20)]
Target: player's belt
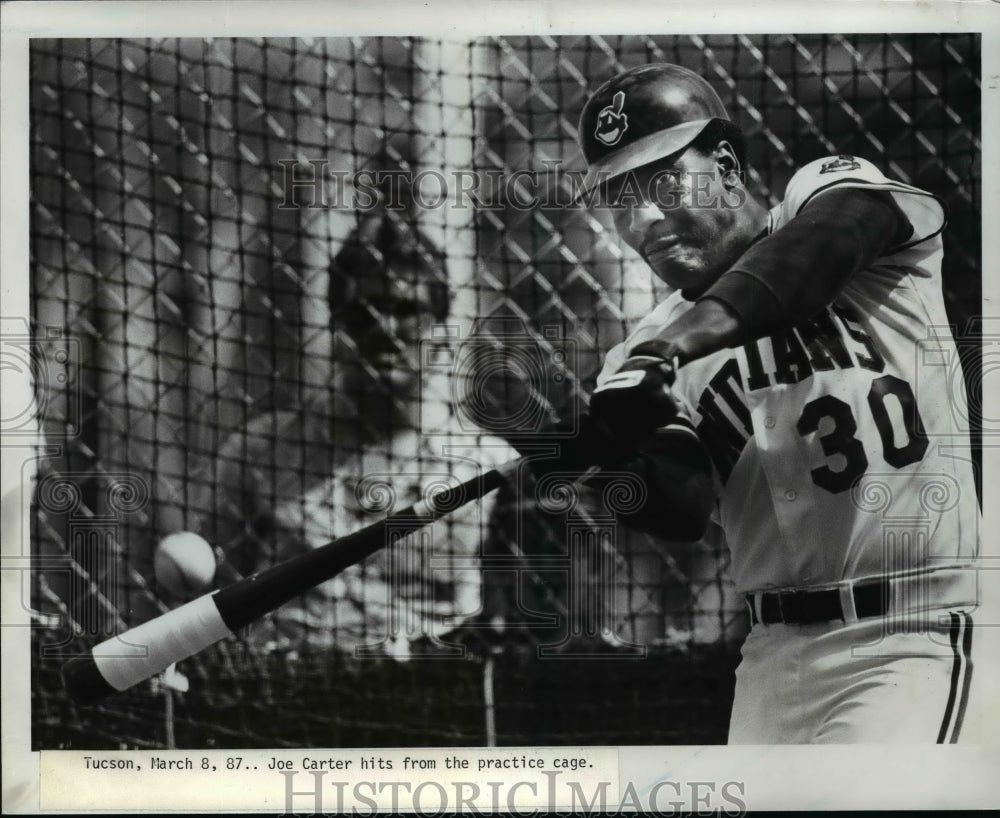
[(952, 587), (811, 607)]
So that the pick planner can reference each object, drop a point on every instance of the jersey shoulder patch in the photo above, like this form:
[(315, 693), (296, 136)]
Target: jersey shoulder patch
[(924, 211), (830, 171), (842, 163)]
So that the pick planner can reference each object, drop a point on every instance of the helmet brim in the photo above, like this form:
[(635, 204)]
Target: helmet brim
[(650, 148)]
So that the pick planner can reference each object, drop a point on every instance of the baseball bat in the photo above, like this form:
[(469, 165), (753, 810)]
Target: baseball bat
[(125, 660)]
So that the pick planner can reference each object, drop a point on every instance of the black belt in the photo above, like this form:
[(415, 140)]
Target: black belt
[(810, 607)]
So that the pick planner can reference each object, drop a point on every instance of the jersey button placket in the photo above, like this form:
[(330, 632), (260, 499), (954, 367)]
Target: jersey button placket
[(790, 495)]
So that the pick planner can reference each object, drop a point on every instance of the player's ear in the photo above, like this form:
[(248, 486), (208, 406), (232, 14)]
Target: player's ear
[(728, 164)]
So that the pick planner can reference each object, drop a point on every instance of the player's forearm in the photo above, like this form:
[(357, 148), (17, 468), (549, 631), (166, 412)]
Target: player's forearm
[(790, 275), (676, 480), (707, 327), (673, 469)]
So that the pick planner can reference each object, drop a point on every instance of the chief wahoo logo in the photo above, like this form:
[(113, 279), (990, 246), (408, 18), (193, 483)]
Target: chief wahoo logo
[(611, 122)]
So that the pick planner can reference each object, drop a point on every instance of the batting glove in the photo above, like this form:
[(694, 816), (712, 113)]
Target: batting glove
[(636, 400)]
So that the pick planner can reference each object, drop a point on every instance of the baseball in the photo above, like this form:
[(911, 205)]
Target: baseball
[(184, 564)]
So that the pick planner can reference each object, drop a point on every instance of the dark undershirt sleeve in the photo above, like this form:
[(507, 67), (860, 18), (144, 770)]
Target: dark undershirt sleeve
[(796, 271)]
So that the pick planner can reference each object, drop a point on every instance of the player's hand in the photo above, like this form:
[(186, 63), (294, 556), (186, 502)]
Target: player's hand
[(637, 399)]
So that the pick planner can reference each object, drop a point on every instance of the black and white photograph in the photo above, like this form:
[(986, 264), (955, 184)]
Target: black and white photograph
[(470, 413)]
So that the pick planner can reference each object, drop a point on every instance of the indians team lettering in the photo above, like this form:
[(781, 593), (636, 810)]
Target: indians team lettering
[(834, 339)]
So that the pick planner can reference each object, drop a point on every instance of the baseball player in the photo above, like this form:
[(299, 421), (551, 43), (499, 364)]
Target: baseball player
[(779, 395), (296, 480)]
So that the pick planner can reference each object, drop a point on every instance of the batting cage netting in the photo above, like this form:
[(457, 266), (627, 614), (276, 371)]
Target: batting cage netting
[(281, 287)]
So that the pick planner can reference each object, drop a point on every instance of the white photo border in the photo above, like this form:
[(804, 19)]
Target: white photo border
[(775, 778)]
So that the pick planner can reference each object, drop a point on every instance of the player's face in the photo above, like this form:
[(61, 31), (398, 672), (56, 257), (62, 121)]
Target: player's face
[(681, 217), (385, 327)]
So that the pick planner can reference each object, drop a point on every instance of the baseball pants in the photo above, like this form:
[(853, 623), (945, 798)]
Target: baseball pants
[(880, 680)]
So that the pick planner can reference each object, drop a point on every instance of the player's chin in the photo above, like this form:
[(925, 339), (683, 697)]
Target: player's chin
[(682, 271)]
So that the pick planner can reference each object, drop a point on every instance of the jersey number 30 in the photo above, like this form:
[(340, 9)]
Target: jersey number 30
[(841, 440)]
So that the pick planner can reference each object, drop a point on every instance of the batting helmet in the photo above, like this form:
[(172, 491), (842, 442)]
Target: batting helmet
[(642, 115)]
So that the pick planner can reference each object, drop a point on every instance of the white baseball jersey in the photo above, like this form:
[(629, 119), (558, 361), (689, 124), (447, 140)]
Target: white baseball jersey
[(838, 452)]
